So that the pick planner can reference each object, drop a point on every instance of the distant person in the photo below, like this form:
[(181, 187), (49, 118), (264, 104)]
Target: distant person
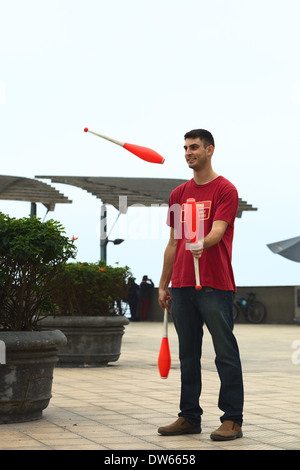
[(133, 299), (146, 287)]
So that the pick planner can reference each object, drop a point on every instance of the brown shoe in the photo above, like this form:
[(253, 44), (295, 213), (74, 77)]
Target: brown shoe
[(228, 431), (181, 426)]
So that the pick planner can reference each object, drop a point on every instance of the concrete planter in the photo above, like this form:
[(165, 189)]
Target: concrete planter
[(26, 377), (92, 341)]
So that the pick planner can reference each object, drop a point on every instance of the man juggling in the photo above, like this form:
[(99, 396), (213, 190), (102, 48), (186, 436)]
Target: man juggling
[(216, 201)]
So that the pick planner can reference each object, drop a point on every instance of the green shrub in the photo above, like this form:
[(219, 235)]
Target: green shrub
[(31, 253), (90, 289)]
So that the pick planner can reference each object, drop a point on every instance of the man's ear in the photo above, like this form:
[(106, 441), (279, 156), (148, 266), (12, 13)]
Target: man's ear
[(210, 150)]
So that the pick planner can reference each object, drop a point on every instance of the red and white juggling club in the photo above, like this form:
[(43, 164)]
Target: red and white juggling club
[(195, 228), (164, 357), (144, 153)]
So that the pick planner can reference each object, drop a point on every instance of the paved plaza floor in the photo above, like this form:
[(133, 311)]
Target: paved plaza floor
[(120, 407)]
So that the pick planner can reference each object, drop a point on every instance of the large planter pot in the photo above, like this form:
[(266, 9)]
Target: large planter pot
[(92, 341), (26, 377)]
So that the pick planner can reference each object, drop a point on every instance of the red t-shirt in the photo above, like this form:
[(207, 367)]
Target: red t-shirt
[(220, 200)]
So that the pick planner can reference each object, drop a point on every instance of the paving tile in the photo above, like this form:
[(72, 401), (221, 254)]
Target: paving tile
[(120, 407)]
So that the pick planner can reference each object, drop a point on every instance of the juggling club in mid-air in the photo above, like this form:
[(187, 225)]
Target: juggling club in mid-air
[(144, 153)]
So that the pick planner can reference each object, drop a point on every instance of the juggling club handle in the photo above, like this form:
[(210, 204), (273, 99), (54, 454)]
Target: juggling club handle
[(166, 314), (197, 274)]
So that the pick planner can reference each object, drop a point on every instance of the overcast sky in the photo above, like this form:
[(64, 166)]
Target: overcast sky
[(145, 72)]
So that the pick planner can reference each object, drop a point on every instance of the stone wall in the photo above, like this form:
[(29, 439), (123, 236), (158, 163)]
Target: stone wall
[(280, 301)]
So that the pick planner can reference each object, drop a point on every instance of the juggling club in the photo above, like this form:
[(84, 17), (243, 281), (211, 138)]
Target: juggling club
[(144, 153), (164, 357), (193, 224)]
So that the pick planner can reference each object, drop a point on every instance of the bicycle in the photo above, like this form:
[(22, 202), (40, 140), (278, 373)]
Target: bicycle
[(253, 310)]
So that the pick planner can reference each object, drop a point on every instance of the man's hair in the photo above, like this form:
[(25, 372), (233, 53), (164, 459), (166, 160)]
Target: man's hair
[(203, 135)]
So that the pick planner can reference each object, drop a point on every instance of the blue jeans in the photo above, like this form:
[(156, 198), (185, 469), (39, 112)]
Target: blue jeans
[(192, 308)]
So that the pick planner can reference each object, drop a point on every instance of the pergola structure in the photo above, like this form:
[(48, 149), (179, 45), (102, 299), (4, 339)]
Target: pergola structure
[(17, 188), (144, 191)]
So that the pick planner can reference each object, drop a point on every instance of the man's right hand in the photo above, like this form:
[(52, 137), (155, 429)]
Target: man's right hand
[(164, 298)]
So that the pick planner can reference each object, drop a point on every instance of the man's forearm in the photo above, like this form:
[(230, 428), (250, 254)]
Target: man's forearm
[(163, 290), (167, 267), (213, 237)]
